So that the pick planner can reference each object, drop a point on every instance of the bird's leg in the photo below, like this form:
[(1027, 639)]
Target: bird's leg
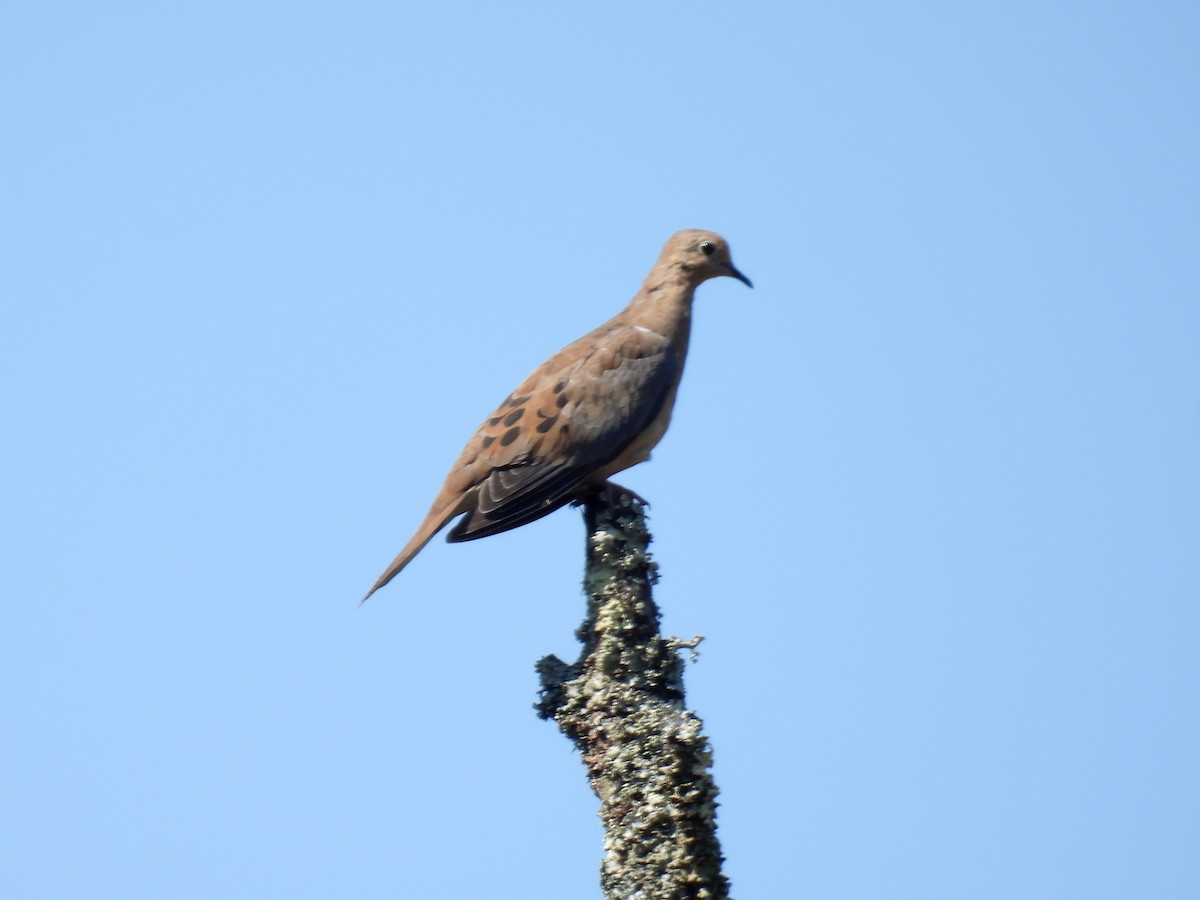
[(609, 491), (615, 491)]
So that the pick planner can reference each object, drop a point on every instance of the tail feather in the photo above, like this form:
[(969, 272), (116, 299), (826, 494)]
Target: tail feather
[(434, 522), (477, 524)]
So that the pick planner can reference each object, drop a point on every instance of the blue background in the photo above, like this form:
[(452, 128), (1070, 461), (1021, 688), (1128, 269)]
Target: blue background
[(931, 492)]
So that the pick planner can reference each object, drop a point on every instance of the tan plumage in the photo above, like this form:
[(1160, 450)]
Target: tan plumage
[(595, 407)]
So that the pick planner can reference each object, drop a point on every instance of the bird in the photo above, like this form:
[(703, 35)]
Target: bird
[(594, 408)]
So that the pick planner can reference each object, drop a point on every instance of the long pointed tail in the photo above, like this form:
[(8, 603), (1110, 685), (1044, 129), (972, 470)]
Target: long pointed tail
[(434, 522)]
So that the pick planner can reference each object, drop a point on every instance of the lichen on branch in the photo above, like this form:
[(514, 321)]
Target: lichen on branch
[(622, 705)]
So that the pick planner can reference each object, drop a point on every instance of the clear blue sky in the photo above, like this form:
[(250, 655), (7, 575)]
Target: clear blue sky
[(932, 490)]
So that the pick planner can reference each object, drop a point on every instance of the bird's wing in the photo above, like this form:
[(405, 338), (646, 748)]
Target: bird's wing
[(572, 416)]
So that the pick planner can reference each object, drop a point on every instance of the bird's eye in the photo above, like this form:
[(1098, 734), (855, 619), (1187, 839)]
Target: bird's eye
[(707, 248)]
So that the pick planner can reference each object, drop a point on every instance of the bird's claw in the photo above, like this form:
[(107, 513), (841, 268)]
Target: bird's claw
[(611, 493)]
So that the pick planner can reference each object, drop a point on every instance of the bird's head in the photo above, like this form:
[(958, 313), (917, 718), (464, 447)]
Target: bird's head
[(702, 255)]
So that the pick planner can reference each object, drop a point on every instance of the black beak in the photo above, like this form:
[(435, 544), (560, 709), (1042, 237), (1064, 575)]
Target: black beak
[(739, 276)]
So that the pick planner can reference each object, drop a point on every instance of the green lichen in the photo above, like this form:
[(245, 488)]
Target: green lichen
[(622, 704)]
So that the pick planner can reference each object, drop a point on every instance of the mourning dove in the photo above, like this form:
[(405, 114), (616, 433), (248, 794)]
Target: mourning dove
[(595, 407)]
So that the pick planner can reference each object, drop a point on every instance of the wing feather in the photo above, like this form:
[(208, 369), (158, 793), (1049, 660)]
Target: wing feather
[(571, 417)]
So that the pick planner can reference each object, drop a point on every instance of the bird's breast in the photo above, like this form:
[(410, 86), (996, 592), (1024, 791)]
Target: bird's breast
[(639, 449)]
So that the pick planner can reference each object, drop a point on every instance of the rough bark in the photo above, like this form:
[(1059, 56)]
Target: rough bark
[(622, 705)]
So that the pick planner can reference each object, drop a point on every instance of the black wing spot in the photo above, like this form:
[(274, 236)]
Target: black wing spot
[(509, 436), (545, 426), (512, 417)]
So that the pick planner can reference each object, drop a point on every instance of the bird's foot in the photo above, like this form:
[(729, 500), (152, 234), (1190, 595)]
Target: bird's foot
[(615, 491), (610, 492)]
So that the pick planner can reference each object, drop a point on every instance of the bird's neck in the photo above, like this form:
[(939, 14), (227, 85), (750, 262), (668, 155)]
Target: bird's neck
[(664, 304)]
